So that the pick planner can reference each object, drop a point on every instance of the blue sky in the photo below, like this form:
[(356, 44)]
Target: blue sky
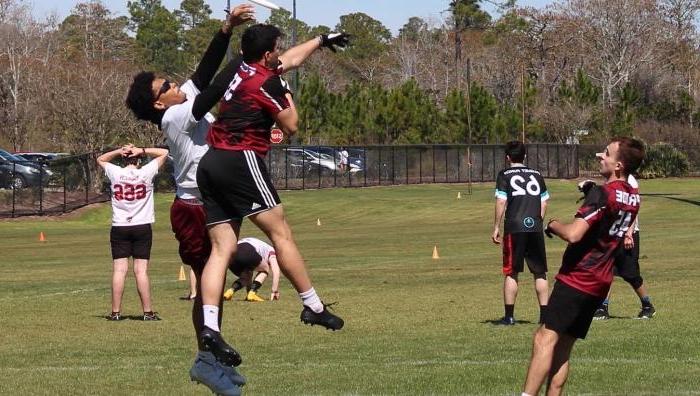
[(392, 13)]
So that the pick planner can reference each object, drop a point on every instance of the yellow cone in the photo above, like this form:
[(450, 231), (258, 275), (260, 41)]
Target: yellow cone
[(318, 222), (459, 195), (435, 253), (182, 276)]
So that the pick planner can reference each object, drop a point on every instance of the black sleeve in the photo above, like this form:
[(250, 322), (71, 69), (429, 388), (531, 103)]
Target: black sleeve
[(211, 60), (213, 93)]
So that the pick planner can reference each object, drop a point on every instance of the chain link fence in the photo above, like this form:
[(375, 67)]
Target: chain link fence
[(64, 184)]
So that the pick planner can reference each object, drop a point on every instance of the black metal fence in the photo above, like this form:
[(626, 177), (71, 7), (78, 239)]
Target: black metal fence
[(304, 167), (49, 187), (62, 185)]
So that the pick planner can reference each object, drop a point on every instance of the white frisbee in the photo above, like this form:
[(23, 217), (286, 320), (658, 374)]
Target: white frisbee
[(266, 4)]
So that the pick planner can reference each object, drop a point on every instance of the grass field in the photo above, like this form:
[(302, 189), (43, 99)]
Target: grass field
[(414, 325)]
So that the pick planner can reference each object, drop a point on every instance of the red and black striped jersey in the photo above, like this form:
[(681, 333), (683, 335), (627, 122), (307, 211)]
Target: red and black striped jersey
[(609, 210), (246, 111)]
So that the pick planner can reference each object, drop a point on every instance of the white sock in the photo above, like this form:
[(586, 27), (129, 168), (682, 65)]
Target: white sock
[(211, 317), (525, 394), (311, 300)]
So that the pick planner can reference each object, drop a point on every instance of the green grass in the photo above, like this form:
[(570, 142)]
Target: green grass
[(413, 325)]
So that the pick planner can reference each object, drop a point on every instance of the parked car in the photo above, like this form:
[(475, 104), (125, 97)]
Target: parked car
[(299, 156), (39, 157), (356, 160), (19, 173)]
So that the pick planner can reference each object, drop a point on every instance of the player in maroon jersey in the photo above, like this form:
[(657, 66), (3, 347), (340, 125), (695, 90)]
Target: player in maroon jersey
[(234, 182), (586, 272)]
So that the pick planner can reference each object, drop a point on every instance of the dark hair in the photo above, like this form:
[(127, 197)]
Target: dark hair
[(516, 151), (140, 97), (131, 161), (630, 152), (257, 40)]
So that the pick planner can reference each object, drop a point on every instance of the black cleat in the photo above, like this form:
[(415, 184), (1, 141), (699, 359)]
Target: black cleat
[(506, 321), (324, 318), (148, 316), (115, 316), (647, 313), (214, 343), (601, 313)]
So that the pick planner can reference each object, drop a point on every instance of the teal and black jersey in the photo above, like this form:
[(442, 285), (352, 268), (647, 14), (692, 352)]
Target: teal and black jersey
[(525, 190)]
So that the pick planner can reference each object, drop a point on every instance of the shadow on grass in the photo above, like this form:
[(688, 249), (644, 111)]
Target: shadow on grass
[(497, 322), (126, 317), (671, 197)]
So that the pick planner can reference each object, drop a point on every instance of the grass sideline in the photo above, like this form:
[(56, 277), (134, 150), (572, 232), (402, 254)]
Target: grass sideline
[(414, 325)]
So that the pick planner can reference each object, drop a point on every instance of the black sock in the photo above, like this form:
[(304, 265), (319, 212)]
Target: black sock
[(256, 286), (237, 285), (542, 309), (509, 310)]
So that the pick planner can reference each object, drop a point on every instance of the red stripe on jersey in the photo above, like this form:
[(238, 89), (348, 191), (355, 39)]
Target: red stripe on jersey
[(508, 254)]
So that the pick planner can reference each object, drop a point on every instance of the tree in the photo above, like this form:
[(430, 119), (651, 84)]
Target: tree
[(466, 14), (617, 37), (157, 35), (193, 13), (90, 33)]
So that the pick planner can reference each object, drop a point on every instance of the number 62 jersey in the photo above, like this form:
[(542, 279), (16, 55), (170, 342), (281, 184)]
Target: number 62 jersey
[(132, 194), (525, 190), (609, 211)]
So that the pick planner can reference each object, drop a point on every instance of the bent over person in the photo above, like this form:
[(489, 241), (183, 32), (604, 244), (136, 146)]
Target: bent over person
[(234, 182), (252, 254), (132, 216), (522, 196), (585, 275)]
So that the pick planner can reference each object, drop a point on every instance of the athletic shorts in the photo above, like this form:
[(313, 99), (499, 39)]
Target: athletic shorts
[(521, 246), (246, 259), (627, 261), (234, 185), (570, 311), (131, 241), (189, 223)]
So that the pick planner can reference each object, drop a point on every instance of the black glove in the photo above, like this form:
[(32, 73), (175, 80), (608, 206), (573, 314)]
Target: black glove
[(333, 40), (285, 85), (547, 231), (585, 186)]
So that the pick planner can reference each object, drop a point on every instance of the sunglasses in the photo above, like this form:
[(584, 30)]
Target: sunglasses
[(163, 89)]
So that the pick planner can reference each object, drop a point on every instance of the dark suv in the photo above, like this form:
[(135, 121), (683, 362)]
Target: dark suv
[(16, 172)]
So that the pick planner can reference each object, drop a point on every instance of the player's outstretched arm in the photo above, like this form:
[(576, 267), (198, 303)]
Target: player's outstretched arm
[(295, 56), (287, 120), (219, 44)]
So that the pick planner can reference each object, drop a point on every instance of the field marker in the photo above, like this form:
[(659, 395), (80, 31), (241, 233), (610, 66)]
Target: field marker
[(459, 195), (435, 253), (42, 237), (318, 222), (182, 276)]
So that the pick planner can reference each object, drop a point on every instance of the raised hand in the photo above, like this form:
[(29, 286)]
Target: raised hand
[(335, 41)]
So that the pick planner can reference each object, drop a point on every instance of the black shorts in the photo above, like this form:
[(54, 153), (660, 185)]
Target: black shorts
[(234, 185), (570, 311), (131, 241), (521, 246), (627, 261), (246, 259)]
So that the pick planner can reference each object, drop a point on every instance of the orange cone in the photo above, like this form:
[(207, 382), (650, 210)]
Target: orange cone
[(42, 238), (435, 253), (182, 276)]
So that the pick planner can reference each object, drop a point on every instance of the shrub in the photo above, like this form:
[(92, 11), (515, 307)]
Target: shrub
[(664, 160)]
